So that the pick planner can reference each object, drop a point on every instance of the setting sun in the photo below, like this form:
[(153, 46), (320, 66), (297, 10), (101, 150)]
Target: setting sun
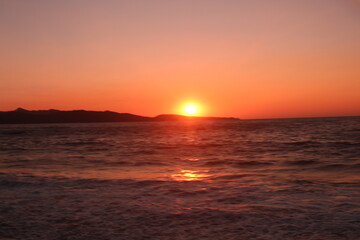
[(191, 109)]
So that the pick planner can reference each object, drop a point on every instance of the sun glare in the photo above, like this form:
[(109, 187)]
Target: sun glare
[(191, 109), (189, 175)]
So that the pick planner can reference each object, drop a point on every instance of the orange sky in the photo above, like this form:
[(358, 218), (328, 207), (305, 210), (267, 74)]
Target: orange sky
[(247, 59)]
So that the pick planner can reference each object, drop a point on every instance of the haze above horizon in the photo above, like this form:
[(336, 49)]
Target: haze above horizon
[(246, 59)]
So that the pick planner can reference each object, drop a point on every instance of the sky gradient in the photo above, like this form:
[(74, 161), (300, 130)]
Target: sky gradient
[(247, 59)]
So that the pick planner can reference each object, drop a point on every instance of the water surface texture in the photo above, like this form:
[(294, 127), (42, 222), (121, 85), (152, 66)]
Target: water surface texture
[(251, 179)]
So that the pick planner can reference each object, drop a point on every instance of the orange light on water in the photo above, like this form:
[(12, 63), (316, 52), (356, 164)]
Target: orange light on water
[(189, 175)]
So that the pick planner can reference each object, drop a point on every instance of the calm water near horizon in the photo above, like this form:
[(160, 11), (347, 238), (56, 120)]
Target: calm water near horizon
[(249, 179)]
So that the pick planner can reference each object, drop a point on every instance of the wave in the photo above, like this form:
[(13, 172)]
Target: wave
[(149, 163), (237, 163), (16, 183), (303, 143), (344, 144), (251, 164), (184, 193), (303, 162), (234, 176), (81, 143), (97, 163), (144, 152), (338, 166), (216, 162), (13, 132)]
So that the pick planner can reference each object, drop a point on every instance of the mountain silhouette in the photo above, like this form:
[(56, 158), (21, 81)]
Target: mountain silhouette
[(20, 116)]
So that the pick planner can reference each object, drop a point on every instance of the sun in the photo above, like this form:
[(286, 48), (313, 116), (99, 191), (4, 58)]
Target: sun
[(191, 109)]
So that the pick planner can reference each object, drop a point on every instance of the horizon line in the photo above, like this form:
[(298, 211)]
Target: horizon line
[(265, 118)]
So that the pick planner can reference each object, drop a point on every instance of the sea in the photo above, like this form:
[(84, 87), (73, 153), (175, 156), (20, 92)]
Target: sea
[(286, 179)]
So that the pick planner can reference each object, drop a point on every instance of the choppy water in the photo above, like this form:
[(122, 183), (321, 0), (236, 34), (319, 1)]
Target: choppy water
[(252, 179)]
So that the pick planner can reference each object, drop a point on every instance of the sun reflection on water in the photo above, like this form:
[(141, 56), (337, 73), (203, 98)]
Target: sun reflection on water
[(190, 175), (192, 159)]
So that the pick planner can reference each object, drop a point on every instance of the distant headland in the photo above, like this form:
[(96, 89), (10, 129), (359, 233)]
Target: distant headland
[(23, 116)]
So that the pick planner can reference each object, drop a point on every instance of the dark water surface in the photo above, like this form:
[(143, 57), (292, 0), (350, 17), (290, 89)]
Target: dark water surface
[(251, 179)]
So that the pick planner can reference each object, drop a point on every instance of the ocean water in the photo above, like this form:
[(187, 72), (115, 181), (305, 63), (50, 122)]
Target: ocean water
[(249, 179)]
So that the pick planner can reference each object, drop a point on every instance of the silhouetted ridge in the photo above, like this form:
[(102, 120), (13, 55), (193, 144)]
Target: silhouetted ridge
[(21, 110), (56, 116), (21, 115)]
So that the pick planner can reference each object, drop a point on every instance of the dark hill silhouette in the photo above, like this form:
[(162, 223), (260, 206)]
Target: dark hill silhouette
[(21, 115), (55, 116)]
